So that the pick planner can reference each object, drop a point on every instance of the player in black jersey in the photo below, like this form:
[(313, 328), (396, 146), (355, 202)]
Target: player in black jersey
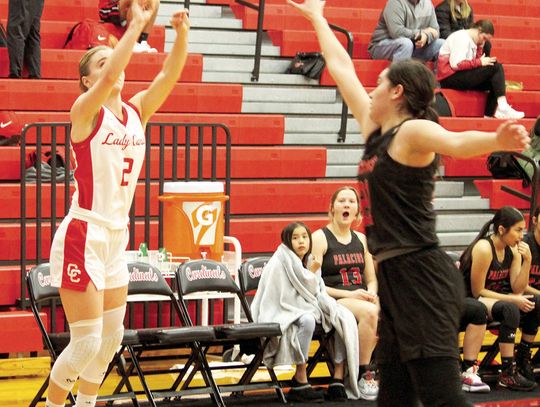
[(523, 354), (421, 293), (496, 270), (349, 275)]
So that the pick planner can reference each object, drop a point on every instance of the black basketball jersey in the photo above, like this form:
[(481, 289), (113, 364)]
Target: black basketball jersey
[(343, 265), (498, 275), (396, 199), (534, 274)]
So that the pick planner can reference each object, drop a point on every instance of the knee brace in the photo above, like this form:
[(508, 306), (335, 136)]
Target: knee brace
[(508, 315), (530, 320), (475, 313), (84, 344), (113, 333)]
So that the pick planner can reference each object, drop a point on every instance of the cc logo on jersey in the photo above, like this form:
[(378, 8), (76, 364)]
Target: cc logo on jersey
[(73, 272)]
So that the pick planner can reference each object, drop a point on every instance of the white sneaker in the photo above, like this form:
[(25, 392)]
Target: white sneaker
[(368, 386), (472, 383), (143, 46), (508, 113)]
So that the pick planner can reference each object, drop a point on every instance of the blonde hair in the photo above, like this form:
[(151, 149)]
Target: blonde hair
[(334, 197), (84, 64), (465, 9)]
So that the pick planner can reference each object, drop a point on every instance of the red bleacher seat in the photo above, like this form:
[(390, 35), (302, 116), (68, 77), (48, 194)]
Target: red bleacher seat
[(249, 198), (76, 10), (19, 332), (470, 167), (249, 162), (58, 95), (491, 189), (269, 128), (142, 67)]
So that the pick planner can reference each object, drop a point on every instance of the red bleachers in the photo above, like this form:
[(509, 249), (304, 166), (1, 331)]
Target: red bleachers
[(476, 123), (491, 189), (268, 128), (59, 95), (248, 198), (142, 67), (19, 332), (54, 34), (77, 10)]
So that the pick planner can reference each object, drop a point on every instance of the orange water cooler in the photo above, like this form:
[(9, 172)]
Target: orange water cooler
[(193, 221)]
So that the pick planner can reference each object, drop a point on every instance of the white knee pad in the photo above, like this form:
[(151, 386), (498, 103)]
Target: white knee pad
[(83, 346), (113, 332)]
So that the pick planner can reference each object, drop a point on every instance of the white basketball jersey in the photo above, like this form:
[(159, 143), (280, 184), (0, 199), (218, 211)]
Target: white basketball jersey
[(108, 165)]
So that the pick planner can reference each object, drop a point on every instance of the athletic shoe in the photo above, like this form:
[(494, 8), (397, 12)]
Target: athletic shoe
[(513, 380), (508, 113), (143, 46), (336, 392), (471, 381), (304, 393), (523, 363), (368, 386)]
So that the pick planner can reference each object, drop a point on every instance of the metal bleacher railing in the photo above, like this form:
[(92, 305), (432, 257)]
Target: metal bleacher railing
[(186, 152), (342, 134)]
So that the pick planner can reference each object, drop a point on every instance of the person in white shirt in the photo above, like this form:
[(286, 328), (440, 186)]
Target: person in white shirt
[(463, 65)]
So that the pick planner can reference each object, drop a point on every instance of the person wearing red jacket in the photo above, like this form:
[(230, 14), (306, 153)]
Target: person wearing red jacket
[(463, 65)]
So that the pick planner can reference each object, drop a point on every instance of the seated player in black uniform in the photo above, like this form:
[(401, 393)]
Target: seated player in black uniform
[(349, 275), (496, 270)]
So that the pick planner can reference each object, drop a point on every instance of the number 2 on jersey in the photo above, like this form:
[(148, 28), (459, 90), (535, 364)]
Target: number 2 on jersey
[(128, 167)]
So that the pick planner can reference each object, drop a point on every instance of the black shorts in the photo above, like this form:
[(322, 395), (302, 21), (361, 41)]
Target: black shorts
[(422, 297)]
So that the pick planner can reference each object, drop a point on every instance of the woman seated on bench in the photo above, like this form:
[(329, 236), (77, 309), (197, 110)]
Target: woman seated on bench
[(496, 270), (292, 293)]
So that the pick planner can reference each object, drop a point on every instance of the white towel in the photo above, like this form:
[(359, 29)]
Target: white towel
[(288, 290)]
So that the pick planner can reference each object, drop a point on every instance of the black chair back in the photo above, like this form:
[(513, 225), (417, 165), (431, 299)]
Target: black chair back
[(205, 275), (250, 273)]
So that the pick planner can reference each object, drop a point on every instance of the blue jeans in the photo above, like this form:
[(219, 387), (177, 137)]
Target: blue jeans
[(403, 48)]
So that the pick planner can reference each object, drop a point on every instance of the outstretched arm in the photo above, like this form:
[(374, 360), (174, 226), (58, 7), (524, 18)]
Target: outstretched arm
[(149, 100), (339, 64), (87, 105), (426, 137)]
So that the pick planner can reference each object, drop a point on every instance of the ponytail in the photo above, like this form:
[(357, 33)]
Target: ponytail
[(465, 261)]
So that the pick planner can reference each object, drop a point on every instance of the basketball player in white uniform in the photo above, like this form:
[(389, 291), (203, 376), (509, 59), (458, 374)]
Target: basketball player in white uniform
[(87, 254)]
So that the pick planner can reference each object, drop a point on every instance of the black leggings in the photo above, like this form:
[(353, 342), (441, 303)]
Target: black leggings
[(436, 382), (490, 78)]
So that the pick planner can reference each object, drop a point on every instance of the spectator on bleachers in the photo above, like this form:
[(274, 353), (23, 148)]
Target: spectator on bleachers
[(420, 291), (117, 13), (464, 66), (455, 15), (496, 270), (24, 38), (292, 293), (406, 29), (87, 258), (349, 275)]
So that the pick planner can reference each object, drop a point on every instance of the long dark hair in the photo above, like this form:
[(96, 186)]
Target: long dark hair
[(418, 88), (506, 217), (286, 238)]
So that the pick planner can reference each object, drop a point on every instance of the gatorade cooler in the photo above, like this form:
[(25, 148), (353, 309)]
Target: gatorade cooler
[(193, 223)]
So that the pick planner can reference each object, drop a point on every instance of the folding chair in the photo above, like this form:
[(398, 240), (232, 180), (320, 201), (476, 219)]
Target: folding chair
[(148, 285), (56, 338), (200, 276), (249, 276)]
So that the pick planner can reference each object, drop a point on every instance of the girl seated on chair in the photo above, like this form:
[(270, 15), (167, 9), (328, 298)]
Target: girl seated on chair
[(292, 293), (496, 270)]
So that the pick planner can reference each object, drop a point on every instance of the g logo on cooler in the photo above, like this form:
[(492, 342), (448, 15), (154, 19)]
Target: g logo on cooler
[(205, 215), (73, 272)]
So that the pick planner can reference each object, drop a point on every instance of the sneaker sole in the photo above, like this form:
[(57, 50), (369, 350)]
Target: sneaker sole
[(515, 388), (475, 389), (366, 397)]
